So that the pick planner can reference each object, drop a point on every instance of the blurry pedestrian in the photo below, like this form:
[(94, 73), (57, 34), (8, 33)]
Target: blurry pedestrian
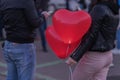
[(43, 6), (119, 3), (67, 4), (94, 54), (85, 4), (73, 5), (20, 22), (118, 40), (116, 50), (82, 4), (118, 34)]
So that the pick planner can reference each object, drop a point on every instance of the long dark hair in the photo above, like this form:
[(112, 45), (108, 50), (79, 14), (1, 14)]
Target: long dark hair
[(112, 4)]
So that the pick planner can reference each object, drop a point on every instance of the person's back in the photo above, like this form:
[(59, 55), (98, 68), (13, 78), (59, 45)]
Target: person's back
[(42, 6), (107, 29), (20, 20), (94, 50), (101, 35)]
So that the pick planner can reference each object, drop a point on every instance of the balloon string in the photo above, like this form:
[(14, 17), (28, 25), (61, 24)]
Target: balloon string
[(79, 9), (67, 49), (70, 70)]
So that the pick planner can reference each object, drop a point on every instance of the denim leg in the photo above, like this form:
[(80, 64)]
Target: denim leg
[(12, 70), (42, 34), (26, 68), (23, 56), (118, 39)]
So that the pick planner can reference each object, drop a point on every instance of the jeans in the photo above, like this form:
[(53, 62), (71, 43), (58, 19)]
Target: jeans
[(118, 39), (42, 34), (21, 60)]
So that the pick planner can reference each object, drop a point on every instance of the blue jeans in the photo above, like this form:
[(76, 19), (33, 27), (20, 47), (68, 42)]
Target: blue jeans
[(42, 34), (118, 39), (21, 60)]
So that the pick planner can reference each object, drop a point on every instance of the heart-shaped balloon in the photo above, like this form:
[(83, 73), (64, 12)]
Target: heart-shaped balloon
[(71, 26), (61, 49)]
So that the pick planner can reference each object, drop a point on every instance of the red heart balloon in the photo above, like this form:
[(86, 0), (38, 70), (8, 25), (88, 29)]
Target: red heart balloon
[(71, 26), (61, 49)]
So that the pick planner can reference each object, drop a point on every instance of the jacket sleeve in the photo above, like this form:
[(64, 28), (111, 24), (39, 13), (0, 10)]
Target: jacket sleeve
[(33, 18), (97, 14)]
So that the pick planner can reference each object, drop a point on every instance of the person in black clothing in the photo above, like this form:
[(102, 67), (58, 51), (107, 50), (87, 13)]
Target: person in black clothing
[(82, 4), (94, 54), (21, 20), (67, 4), (43, 6)]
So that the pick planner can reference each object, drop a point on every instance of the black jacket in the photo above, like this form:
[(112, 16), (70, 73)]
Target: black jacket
[(102, 32), (42, 4), (20, 19)]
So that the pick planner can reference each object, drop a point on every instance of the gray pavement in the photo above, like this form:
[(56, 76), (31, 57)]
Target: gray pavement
[(114, 72)]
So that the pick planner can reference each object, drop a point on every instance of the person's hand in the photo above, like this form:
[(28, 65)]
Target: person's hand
[(46, 14), (70, 61)]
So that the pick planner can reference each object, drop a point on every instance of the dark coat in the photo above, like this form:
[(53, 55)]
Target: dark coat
[(20, 19), (42, 4), (101, 35)]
